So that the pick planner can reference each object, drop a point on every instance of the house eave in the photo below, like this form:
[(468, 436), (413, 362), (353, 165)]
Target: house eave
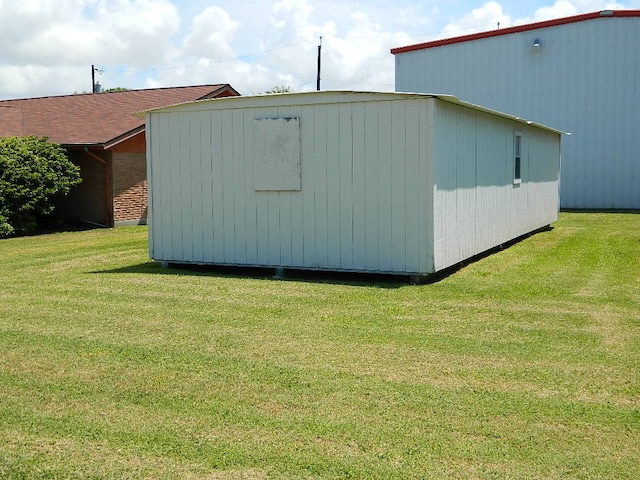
[(124, 137)]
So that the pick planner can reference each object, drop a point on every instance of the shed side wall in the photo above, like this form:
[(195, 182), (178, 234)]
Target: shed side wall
[(477, 206)]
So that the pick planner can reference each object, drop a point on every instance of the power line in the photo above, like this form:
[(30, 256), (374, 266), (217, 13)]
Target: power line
[(282, 47), (214, 61), (389, 36)]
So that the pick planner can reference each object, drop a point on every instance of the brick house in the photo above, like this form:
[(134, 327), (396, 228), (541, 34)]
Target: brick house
[(106, 140)]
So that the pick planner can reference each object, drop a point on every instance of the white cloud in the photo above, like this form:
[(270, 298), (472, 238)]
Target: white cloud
[(62, 38), (290, 14), (48, 46), (480, 19), (362, 56), (211, 35), (136, 31), (565, 8)]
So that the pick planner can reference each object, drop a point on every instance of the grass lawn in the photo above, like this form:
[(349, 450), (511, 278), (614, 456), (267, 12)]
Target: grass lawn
[(525, 364)]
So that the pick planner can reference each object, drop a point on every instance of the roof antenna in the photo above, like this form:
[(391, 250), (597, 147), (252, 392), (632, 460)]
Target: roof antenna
[(498, 25)]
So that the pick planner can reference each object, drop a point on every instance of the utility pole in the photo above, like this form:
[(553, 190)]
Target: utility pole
[(95, 87), (319, 57)]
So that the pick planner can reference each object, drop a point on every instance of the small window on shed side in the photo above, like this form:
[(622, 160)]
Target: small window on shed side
[(517, 157), (277, 154)]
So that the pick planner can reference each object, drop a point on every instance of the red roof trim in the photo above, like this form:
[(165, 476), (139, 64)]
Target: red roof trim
[(517, 29)]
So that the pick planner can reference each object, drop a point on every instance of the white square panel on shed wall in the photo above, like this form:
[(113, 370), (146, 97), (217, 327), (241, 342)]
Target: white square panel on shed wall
[(277, 154)]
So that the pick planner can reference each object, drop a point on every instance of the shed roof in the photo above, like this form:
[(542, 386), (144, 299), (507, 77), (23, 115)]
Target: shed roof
[(102, 119), (331, 96), (517, 29)]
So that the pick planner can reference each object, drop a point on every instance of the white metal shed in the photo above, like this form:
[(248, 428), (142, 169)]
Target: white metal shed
[(579, 73), (344, 181)]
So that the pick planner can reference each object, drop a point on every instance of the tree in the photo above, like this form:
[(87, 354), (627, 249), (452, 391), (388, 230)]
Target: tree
[(34, 173), (279, 89), (115, 89)]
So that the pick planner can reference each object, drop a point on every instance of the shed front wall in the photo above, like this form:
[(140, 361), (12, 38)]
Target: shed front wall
[(582, 79), (477, 205), (365, 201)]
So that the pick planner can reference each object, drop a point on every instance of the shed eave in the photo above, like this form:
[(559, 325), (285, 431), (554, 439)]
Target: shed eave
[(457, 101), (324, 96)]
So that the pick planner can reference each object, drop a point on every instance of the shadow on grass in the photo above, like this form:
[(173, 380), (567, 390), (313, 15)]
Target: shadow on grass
[(376, 280), (601, 210)]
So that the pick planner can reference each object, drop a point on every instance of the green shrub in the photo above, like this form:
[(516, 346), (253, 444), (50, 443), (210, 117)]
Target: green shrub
[(34, 173)]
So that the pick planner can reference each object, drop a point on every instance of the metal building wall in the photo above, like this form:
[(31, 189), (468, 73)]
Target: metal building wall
[(584, 79), (364, 202)]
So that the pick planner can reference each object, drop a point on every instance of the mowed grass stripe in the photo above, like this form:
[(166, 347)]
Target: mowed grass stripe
[(521, 365)]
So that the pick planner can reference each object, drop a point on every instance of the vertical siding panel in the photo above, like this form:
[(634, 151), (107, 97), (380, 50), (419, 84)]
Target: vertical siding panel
[(488, 167), (169, 136), (175, 188), (399, 165), (262, 226), (371, 159), (385, 171), (217, 234), (445, 213), (425, 210), (285, 230), (262, 204), (426, 191), (251, 227), (346, 186), (297, 204), (359, 186), (291, 201), (333, 185), (466, 182), (207, 186), (273, 227), (321, 190), (506, 145), (238, 187), (195, 149), (184, 159), (414, 189), (502, 150), (228, 182), (309, 183), (297, 224)]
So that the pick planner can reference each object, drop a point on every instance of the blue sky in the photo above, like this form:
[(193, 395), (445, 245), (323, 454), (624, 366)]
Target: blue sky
[(48, 46)]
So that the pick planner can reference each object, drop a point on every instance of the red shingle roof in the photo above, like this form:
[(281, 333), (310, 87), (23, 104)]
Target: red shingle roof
[(94, 119)]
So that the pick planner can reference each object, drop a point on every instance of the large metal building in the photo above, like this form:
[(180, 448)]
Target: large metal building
[(580, 74), (344, 181)]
